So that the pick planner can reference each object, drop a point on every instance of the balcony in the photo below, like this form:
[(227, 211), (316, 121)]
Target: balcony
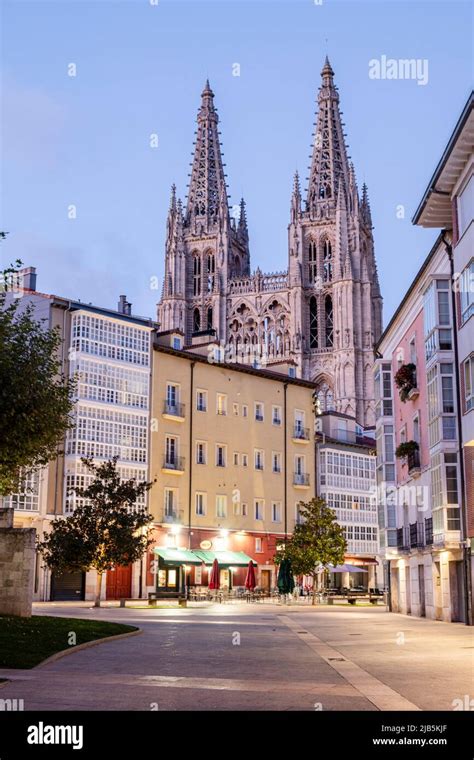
[(405, 380), (173, 516), (413, 461), (403, 539), (258, 417), (301, 479), (428, 531), (173, 410), (300, 434), (173, 464), (417, 535), (276, 421)]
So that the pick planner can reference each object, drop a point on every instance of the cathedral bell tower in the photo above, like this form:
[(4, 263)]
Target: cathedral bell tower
[(332, 270), (205, 247)]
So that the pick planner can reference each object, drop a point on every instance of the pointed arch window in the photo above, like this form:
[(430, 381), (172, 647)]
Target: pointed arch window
[(329, 319), (313, 323), (237, 266), (312, 259), (211, 272), (196, 320), (326, 398), (327, 261), (209, 318), (196, 274)]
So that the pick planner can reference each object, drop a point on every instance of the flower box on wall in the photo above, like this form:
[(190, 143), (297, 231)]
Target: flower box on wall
[(405, 380)]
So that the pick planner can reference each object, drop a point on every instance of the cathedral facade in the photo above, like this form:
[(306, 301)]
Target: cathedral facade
[(323, 314)]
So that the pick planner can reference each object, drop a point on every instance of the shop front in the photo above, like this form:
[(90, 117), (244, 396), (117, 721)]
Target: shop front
[(172, 568)]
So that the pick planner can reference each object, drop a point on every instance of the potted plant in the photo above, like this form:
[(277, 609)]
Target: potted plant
[(405, 380), (405, 449)]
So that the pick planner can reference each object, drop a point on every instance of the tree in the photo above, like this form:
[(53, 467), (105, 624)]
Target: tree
[(106, 529), (317, 540), (36, 398)]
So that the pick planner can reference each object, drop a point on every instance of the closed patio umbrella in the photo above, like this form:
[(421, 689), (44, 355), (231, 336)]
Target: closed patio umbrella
[(250, 581), (214, 577), (285, 581)]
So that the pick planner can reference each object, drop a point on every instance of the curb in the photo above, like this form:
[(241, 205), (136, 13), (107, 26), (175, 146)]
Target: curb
[(85, 645)]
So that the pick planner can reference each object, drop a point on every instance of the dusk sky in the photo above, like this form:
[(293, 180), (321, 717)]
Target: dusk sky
[(140, 69)]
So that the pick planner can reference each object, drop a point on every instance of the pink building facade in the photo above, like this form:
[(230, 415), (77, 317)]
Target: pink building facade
[(418, 452)]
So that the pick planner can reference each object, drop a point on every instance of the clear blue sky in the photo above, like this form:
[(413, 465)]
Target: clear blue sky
[(140, 70)]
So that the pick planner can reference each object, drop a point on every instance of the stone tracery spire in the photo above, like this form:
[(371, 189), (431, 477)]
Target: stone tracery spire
[(207, 184), (329, 160)]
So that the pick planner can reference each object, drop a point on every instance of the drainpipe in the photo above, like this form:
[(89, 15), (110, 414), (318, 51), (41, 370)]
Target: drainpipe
[(466, 549), (285, 455), (190, 492)]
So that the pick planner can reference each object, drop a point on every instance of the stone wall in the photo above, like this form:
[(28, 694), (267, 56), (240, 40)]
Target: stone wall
[(17, 566)]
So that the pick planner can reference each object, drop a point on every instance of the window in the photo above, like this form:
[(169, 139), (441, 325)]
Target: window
[(276, 415), (276, 461), (196, 320), (220, 455), (236, 458), (259, 456), (259, 411), (447, 388), (299, 422), (201, 452), (209, 318), (327, 261), (276, 511), (329, 321), (258, 545), (312, 261), (450, 461), (221, 402), (298, 516), (245, 509), (465, 204), (259, 509), (170, 501), (245, 410), (291, 371), (172, 398), (201, 401), (171, 450), (221, 506), (235, 409), (469, 383), (245, 460), (177, 343), (445, 340), (383, 391), (200, 503), (211, 270), (313, 323), (196, 274), (466, 288)]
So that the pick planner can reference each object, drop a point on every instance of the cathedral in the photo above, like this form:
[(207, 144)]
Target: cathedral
[(319, 318)]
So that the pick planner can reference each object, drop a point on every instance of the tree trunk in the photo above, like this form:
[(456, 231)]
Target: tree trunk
[(98, 590)]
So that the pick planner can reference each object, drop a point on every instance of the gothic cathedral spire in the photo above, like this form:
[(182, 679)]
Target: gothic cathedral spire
[(329, 160), (207, 187)]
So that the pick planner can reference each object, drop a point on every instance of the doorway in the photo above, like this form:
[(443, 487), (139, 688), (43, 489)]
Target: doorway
[(119, 582), (225, 579), (421, 590), (408, 588), (68, 587), (266, 579), (167, 579)]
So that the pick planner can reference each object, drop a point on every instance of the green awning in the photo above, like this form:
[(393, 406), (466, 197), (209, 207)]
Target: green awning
[(225, 558), (172, 556)]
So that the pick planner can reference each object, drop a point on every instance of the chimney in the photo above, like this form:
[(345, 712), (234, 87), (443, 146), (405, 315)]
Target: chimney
[(124, 306), (27, 278)]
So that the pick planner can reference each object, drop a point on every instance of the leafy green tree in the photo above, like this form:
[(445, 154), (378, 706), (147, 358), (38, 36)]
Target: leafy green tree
[(317, 541), (36, 398), (106, 529)]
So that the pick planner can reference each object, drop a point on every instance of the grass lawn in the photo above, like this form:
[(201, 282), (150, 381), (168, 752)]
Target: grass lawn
[(25, 642)]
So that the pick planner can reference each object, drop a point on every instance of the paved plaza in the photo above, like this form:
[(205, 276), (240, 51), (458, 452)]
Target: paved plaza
[(255, 657)]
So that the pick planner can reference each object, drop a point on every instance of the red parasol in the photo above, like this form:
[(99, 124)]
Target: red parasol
[(250, 581), (214, 577)]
